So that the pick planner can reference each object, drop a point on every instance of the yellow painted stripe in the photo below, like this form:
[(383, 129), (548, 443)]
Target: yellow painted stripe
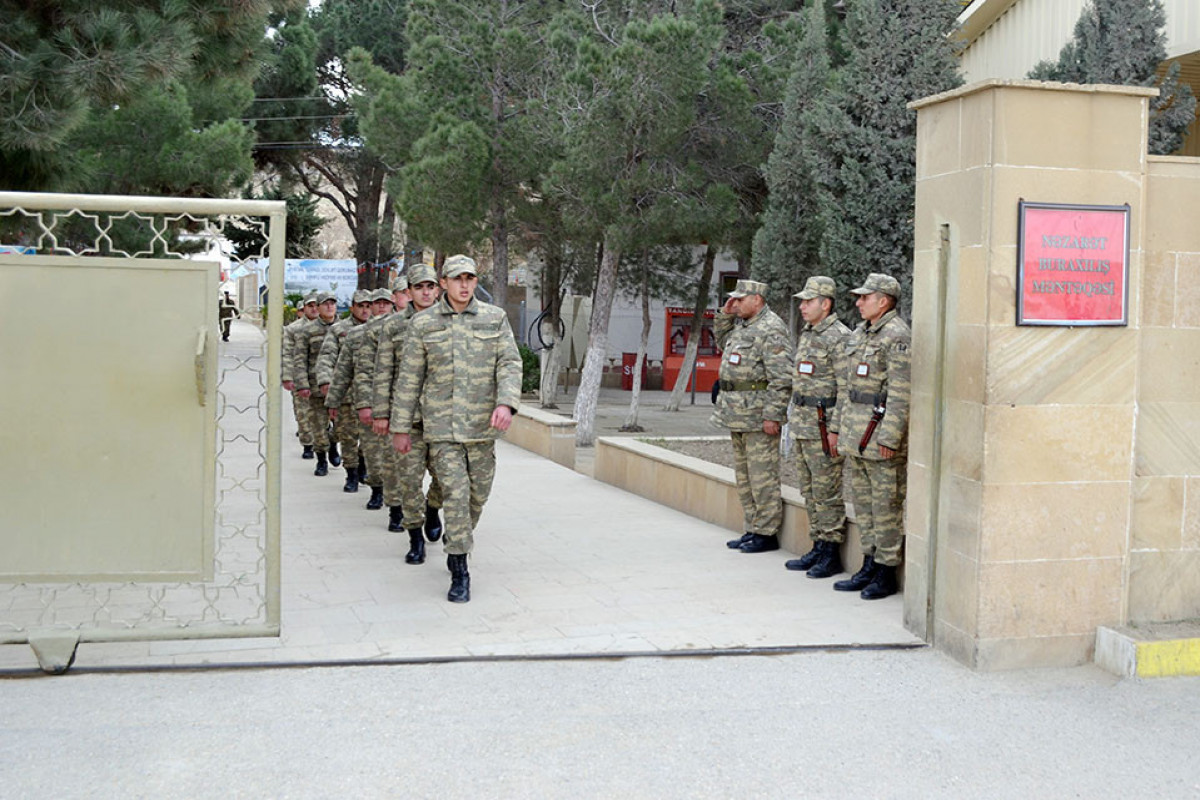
[(1168, 658)]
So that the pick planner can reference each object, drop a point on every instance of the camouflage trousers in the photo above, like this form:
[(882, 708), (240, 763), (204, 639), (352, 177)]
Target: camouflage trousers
[(320, 422), (466, 472), (303, 411), (410, 473), (756, 467), (879, 488), (346, 430), (377, 450), (821, 486)]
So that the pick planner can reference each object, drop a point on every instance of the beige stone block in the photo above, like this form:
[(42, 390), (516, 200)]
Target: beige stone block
[(1028, 522), (1056, 444), (1164, 586), (916, 597), (1086, 366), (917, 519), (958, 644), (978, 118), (966, 350), (1189, 536), (921, 425), (1039, 652), (963, 438), (1158, 290), (956, 592), (1187, 290), (957, 199), (1168, 438), (1066, 130), (1002, 286), (938, 139), (1171, 199), (960, 515), (1157, 522), (967, 296), (1019, 599), (1169, 366)]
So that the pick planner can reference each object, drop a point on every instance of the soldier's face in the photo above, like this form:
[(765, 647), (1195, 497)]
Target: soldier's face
[(424, 294), (361, 311), (400, 299), (381, 308), (460, 289), (311, 311), (328, 310), (749, 305), (814, 310), (872, 306)]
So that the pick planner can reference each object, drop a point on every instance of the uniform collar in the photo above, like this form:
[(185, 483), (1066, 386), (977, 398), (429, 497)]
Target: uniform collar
[(443, 305), (884, 320), (824, 324), (755, 318)]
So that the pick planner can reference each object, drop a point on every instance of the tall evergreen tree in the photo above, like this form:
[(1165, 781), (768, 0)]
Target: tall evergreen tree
[(1124, 42)]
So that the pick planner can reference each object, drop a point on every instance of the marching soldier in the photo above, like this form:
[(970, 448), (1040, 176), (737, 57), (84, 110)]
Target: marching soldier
[(345, 431), (304, 371), (755, 381), (406, 482), (820, 359), (378, 454), (872, 430), (460, 366), (301, 408), (339, 399)]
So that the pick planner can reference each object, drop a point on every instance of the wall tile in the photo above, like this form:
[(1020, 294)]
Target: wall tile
[(1168, 439), (1157, 514), (1164, 586), (1090, 131), (1048, 598), (1033, 365), (1056, 444), (1029, 522)]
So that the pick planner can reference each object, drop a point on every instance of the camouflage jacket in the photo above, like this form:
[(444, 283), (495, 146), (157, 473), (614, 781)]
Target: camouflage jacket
[(327, 359), (877, 368), (341, 383), (755, 372), (820, 359), (309, 339), (364, 362), (287, 357), (387, 358), (456, 368)]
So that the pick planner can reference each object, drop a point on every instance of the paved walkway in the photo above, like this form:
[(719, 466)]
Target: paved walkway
[(563, 565)]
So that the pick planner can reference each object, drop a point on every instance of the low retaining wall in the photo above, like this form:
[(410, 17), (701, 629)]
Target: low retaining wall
[(703, 489), (549, 435)]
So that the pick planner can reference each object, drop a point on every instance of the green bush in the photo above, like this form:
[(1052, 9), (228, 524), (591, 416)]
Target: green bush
[(531, 370)]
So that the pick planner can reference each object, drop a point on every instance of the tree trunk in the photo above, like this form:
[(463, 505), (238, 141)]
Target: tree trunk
[(387, 236), (693, 344), (551, 357), (499, 252), (631, 421), (597, 351)]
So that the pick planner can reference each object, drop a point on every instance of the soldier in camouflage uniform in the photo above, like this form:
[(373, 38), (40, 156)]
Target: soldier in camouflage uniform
[(820, 358), (461, 368), (756, 382), (301, 408), (338, 398), (345, 429), (304, 371), (411, 507), (872, 430), (378, 454), (226, 311)]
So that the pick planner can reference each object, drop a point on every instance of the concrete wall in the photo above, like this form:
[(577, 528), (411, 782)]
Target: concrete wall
[(1049, 467)]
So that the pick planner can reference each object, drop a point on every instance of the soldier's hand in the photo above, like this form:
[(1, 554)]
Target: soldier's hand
[(333, 413), (833, 453), (502, 418), (770, 427), (380, 426), (887, 452), (324, 387), (729, 306), (289, 385), (305, 392), (364, 416), (402, 442)]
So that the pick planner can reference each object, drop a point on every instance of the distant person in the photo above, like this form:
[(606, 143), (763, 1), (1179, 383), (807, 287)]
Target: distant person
[(300, 407), (226, 311)]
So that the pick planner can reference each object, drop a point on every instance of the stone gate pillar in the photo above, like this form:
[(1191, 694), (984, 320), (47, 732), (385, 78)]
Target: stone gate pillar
[(1022, 438)]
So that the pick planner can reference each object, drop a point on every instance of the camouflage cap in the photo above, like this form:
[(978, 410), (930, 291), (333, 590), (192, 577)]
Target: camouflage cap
[(422, 273), (876, 282), (311, 297), (323, 297), (457, 265), (381, 294), (400, 282), (362, 296), (745, 288), (817, 286)]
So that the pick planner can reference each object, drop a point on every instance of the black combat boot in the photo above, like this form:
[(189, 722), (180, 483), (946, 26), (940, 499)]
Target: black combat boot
[(829, 563), (335, 458), (308, 452), (760, 544), (433, 524), (395, 518), (883, 584), (734, 544), (859, 580), (351, 480), (804, 562), (460, 579), (416, 547), (376, 500), (322, 465)]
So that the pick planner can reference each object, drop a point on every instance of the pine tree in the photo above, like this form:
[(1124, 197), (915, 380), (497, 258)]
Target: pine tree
[(1124, 42)]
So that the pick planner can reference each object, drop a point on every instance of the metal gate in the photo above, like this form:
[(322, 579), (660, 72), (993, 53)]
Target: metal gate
[(138, 466)]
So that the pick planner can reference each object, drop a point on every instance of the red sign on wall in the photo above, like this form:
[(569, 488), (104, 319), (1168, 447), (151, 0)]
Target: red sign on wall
[(1072, 264)]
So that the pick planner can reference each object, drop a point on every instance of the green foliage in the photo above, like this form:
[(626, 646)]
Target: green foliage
[(303, 224), (1123, 42), (531, 369)]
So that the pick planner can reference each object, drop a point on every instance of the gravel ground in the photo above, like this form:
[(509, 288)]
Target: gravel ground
[(719, 451)]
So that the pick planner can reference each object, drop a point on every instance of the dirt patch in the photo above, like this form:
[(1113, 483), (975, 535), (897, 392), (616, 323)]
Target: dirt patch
[(720, 451)]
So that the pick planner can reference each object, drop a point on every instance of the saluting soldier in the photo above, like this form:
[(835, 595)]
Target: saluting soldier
[(872, 430), (461, 367), (411, 508), (820, 358), (300, 407), (345, 431), (304, 370), (756, 382), (339, 399), (377, 448)]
